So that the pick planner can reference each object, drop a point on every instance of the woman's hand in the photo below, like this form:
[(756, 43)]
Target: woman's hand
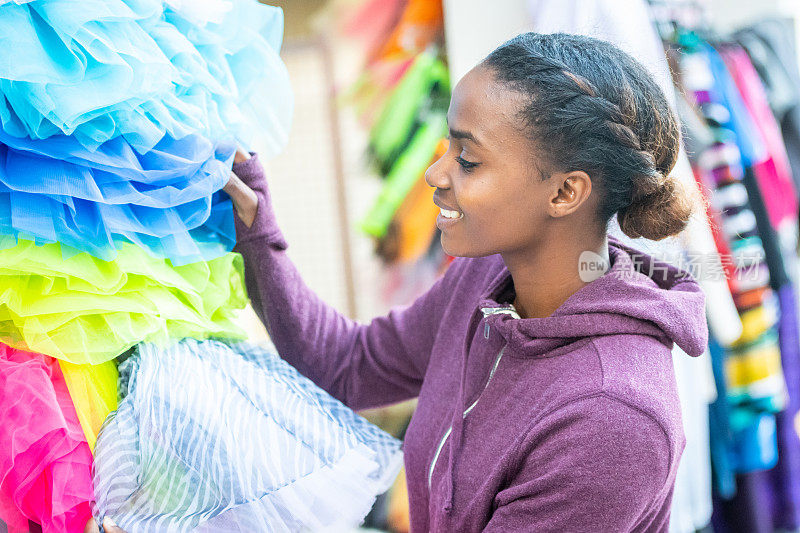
[(244, 198), (108, 526), (240, 156)]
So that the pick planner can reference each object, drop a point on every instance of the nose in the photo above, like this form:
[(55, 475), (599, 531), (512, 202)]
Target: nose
[(435, 175)]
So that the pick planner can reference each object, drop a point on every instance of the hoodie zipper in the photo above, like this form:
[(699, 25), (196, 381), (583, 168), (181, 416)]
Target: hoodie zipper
[(464, 415)]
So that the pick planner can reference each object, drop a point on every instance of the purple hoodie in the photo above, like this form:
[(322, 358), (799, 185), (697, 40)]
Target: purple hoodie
[(565, 423)]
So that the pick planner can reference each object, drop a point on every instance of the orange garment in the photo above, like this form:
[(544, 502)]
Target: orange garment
[(420, 24), (752, 298), (415, 219)]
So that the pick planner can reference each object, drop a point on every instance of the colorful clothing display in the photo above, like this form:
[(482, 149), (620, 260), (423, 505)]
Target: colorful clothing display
[(755, 384), (119, 121), (743, 168)]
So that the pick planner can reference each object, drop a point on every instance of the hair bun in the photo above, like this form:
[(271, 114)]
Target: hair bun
[(660, 208)]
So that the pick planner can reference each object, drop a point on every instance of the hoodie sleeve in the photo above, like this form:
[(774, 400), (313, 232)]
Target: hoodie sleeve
[(362, 365), (596, 464)]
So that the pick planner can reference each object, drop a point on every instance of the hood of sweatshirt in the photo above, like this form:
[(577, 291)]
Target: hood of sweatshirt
[(637, 295)]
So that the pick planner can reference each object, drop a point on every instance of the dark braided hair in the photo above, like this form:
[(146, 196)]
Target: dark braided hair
[(592, 107)]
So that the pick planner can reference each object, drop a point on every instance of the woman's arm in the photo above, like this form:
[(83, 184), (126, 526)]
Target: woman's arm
[(362, 365)]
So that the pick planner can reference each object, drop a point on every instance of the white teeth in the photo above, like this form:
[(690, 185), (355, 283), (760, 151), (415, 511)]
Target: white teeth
[(451, 214)]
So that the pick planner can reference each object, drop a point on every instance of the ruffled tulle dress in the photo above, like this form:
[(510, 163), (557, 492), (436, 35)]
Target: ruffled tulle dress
[(45, 462), (118, 119), (212, 437), (163, 201), (87, 311), (143, 70), (118, 124)]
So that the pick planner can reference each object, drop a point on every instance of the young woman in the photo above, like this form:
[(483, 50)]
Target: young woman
[(547, 399)]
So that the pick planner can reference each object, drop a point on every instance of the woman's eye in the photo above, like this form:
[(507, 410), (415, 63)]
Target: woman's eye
[(466, 165)]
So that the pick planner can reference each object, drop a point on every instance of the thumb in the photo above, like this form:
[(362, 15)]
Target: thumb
[(234, 183), (240, 155), (109, 526)]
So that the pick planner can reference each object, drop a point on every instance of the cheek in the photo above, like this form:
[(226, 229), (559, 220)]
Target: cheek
[(497, 215), (496, 199)]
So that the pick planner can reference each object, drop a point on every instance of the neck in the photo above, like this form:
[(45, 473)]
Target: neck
[(545, 277)]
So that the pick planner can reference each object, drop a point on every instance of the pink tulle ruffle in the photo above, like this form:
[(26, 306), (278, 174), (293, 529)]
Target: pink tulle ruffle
[(45, 462)]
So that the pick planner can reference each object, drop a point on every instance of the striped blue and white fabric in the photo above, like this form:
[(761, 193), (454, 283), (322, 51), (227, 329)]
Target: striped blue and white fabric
[(222, 437)]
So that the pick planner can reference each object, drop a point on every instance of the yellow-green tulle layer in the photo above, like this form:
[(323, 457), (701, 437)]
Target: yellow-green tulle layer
[(93, 389), (87, 311)]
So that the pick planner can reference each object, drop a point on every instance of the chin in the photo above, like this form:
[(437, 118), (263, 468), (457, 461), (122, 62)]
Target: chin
[(461, 250)]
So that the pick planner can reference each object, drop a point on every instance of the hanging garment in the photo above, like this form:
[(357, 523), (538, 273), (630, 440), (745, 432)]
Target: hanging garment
[(55, 305), (786, 474), (412, 29), (216, 437), (164, 201), (771, 47), (774, 174), (755, 159), (419, 25), (720, 431), (424, 90), (45, 463), (415, 219), (749, 375), (93, 389), (746, 511), (143, 70), (404, 173), (750, 388)]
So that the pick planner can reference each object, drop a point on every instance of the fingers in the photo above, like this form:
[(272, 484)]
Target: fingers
[(109, 526), (234, 184), (240, 156), (245, 201)]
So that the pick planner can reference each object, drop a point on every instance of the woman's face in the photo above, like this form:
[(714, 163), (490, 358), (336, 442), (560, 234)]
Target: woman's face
[(488, 178)]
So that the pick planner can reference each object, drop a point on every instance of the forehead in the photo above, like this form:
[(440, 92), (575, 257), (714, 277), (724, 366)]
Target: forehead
[(485, 108)]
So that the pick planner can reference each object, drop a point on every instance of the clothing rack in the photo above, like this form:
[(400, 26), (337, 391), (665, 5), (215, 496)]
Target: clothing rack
[(670, 15)]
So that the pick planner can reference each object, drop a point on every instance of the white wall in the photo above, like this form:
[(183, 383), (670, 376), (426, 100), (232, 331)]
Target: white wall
[(728, 15), (468, 44)]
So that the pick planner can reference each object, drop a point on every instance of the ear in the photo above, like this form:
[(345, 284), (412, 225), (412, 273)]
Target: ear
[(572, 189)]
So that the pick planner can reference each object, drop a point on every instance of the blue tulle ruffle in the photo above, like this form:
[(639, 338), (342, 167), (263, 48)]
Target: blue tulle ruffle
[(166, 200), (143, 70)]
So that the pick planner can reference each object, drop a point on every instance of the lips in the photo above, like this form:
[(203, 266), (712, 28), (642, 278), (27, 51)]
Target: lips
[(444, 206)]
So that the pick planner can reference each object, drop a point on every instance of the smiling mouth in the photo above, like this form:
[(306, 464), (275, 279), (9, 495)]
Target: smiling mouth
[(446, 213)]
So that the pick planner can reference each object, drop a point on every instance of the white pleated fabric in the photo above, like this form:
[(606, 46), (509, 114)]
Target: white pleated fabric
[(216, 437)]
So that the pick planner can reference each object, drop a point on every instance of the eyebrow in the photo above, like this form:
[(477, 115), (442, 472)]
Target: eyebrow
[(458, 134)]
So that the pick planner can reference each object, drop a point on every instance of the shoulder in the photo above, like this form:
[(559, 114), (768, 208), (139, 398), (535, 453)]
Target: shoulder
[(638, 371)]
